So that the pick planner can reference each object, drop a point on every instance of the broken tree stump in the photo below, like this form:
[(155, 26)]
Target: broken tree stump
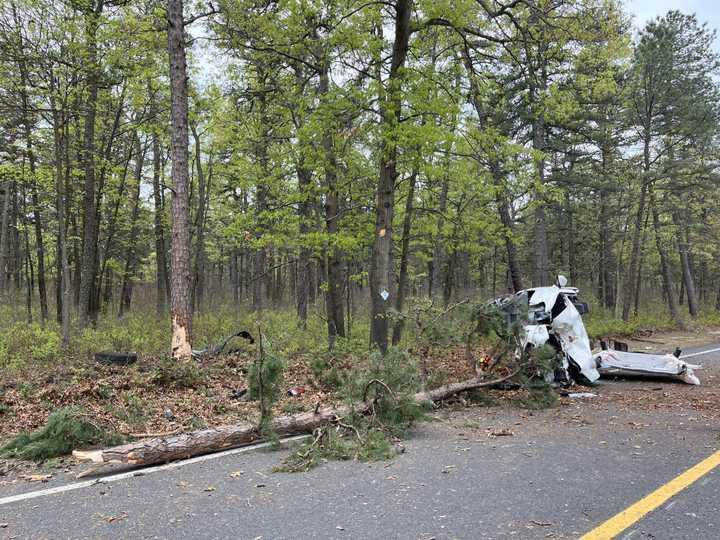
[(206, 441)]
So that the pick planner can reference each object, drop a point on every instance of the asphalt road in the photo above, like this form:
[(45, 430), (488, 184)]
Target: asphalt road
[(560, 474)]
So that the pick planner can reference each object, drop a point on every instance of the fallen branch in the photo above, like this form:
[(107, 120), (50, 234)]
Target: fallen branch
[(205, 441)]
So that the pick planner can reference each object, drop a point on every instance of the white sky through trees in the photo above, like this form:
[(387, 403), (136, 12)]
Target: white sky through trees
[(707, 11)]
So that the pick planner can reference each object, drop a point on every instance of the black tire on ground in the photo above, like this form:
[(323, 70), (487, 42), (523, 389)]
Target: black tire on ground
[(116, 358)]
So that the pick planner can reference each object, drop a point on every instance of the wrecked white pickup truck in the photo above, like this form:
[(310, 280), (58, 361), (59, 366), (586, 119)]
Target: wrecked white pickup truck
[(553, 315)]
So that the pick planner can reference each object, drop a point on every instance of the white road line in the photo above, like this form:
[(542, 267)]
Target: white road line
[(699, 353), (140, 472)]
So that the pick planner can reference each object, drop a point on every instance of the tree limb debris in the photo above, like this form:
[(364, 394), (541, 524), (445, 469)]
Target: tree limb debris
[(205, 441)]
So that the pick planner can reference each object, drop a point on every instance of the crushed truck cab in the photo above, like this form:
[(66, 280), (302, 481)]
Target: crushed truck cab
[(553, 315)]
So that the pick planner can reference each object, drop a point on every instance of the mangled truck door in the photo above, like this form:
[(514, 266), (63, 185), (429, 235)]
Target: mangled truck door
[(568, 328)]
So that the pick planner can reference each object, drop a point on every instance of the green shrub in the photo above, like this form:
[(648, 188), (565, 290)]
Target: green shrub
[(265, 378), (26, 389), (388, 384), (178, 373), (325, 374), (23, 342), (66, 429)]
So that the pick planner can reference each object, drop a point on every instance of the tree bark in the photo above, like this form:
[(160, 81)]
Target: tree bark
[(180, 283), (64, 284), (126, 289), (4, 235), (664, 263), (508, 229), (161, 270), (35, 199), (439, 255), (631, 275), (607, 259), (381, 272), (334, 295), (88, 268), (199, 265), (405, 255), (302, 288), (687, 275)]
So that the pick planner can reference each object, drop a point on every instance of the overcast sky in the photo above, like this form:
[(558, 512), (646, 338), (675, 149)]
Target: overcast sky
[(706, 11)]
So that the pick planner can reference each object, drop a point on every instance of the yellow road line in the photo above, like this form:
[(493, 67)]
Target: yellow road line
[(632, 514)]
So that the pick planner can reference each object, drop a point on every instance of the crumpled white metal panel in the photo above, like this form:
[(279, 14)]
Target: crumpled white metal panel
[(570, 331), (660, 365)]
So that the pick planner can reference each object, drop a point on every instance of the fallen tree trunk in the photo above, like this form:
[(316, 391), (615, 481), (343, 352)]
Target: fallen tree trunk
[(205, 441)]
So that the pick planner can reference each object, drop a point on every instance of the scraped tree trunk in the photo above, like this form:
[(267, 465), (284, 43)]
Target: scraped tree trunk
[(180, 284)]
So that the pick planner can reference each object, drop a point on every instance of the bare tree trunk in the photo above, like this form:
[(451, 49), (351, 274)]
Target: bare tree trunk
[(29, 271), (260, 277), (664, 263), (199, 266), (439, 255), (540, 274), (334, 295), (381, 274), (687, 276), (131, 254), (161, 273), (405, 256), (508, 230), (88, 267), (37, 216), (631, 275), (607, 260), (64, 277), (4, 235), (180, 301), (183, 446), (302, 288)]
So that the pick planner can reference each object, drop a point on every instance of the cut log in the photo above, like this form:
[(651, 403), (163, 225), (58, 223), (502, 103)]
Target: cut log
[(205, 441)]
